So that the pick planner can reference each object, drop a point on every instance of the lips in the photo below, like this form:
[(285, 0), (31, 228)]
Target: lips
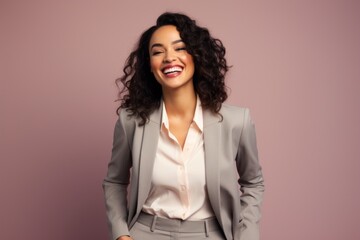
[(172, 70)]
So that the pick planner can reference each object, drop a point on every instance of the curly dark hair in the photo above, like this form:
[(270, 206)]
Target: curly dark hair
[(141, 94)]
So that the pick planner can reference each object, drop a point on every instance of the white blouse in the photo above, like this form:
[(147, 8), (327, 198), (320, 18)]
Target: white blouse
[(178, 187)]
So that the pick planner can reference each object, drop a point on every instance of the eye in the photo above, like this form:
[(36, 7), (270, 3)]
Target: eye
[(154, 53), (181, 49)]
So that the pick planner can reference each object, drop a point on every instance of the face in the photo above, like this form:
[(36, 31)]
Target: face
[(171, 64)]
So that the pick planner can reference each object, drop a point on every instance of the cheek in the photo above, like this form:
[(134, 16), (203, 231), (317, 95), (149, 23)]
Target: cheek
[(155, 68), (189, 63), (154, 64), (187, 58)]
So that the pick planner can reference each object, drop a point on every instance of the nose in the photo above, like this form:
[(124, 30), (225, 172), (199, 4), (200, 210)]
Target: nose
[(169, 57)]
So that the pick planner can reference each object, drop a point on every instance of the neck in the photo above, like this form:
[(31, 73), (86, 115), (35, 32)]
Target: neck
[(180, 104)]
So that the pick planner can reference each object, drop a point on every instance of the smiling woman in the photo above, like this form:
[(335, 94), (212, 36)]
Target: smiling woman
[(171, 64), (140, 92), (177, 144)]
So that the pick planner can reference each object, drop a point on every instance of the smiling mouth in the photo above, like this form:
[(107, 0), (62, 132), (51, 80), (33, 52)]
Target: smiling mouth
[(172, 70)]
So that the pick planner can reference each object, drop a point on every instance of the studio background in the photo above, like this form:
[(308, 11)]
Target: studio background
[(296, 64)]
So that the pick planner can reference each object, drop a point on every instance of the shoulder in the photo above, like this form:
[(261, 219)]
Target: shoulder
[(235, 117), (128, 116), (126, 120), (125, 115), (231, 112), (237, 120)]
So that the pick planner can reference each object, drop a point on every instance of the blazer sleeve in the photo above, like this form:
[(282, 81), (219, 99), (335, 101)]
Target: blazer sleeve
[(116, 181), (251, 180)]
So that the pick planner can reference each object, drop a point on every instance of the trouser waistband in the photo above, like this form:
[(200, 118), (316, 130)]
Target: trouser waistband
[(177, 225)]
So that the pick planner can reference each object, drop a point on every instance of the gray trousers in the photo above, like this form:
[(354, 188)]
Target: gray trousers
[(149, 227)]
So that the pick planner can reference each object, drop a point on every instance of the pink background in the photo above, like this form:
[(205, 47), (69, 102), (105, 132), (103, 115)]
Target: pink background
[(296, 64)]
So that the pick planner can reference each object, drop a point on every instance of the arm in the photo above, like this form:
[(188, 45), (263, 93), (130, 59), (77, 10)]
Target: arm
[(116, 182), (251, 180)]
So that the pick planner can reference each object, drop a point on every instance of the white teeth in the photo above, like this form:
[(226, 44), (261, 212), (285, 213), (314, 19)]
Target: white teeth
[(173, 69)]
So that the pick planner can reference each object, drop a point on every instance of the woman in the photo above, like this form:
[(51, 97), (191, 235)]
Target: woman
[(178, 146)]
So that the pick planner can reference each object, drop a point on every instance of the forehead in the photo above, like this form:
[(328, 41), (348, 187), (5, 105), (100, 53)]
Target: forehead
[(165, 35)]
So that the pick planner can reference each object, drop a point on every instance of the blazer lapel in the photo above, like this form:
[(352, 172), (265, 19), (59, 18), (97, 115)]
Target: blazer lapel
[(147, 155), (212, 132)]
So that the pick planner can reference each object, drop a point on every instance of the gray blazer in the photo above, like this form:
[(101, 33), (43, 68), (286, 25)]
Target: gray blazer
[(230, 145)]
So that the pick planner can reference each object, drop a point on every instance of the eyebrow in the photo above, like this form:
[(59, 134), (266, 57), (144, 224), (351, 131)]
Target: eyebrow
[(160, 45)]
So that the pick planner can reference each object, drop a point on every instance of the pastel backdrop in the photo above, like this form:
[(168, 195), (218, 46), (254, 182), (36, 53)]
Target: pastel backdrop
[(295, 64)]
